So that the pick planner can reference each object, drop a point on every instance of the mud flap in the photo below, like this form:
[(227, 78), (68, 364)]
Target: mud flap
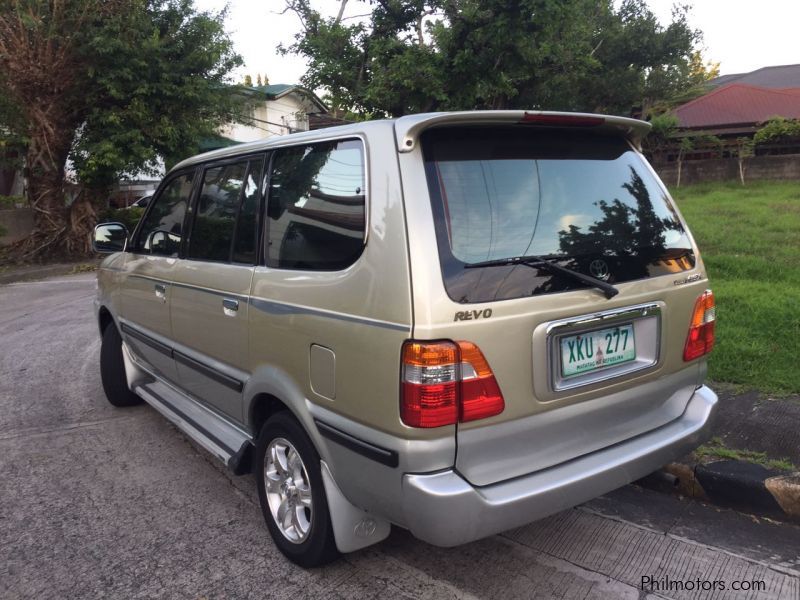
[(353, 528)]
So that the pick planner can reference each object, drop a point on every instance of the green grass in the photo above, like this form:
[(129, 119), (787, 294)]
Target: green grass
[(83, 268), (749, 238), (716, 448)]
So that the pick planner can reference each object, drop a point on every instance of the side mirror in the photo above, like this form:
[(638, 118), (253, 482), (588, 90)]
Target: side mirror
[(109, 238)]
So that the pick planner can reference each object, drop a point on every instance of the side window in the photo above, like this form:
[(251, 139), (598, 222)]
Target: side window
[(244, 249), (215, 220), (316, 206), (162, 228)]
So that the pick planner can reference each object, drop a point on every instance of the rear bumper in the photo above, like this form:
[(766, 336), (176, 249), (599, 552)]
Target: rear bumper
[(445, 510)]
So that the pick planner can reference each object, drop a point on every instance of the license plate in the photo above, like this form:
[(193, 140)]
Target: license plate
[(595, 350)]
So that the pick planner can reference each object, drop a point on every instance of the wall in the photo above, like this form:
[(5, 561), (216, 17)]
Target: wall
[(727, 169), (11, 182), (271, 118), (17, 224), (289, 111)]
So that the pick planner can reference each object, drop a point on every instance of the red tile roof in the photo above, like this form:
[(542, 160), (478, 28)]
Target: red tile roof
[(736, 104)]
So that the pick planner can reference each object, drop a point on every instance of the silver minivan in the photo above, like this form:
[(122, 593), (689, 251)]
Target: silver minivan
[(456, 323)]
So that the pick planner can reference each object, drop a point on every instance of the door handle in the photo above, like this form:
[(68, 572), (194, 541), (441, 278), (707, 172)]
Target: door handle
[(230, 306), (161, 291)]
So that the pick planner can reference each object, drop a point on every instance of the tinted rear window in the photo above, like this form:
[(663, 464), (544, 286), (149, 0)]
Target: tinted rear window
[(585, 200)]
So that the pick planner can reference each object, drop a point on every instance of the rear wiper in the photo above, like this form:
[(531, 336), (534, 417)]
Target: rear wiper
[(540, 261)]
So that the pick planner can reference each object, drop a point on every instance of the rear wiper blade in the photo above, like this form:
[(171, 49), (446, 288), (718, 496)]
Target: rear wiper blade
[(540, 261)]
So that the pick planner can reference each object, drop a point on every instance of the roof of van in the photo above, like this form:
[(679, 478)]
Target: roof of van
[(409, 128)]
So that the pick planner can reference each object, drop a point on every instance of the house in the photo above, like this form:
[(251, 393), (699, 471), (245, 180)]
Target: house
[(779, 77), (738, 109), (714, 139), (276, 110), (738, 104)]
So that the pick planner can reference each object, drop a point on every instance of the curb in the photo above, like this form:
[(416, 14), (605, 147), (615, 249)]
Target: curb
[(33, 273), (735, 484)]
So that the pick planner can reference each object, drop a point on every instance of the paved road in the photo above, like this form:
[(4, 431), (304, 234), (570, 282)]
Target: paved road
[(97, 501)]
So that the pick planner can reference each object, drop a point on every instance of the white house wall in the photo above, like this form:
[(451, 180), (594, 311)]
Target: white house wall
[(272, 117)]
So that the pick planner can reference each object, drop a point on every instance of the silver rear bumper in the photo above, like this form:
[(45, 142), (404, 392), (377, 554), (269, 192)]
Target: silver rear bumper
[(445, 510)]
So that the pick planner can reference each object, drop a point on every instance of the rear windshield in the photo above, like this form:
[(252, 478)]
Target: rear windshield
[(584, 200)]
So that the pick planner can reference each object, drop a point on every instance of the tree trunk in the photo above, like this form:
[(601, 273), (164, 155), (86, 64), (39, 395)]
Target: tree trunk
[(60, 231)]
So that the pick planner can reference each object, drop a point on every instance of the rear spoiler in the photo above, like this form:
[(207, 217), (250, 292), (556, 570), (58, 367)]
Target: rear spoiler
[(409, 128)]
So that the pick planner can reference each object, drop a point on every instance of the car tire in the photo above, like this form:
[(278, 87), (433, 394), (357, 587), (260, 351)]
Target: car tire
[(291, 493), (112, 370)]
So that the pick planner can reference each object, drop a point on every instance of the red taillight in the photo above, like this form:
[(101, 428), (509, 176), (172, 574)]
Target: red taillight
[(429, 384), (446, 382), (700, 340), (563, 120), (480, 394)]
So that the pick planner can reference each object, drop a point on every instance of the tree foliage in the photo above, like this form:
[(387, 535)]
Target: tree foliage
[(778, 129), (660, 139), (418, 55), (111, 85)]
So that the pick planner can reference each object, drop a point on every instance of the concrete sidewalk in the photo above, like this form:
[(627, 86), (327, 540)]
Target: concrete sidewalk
[(752, 463)]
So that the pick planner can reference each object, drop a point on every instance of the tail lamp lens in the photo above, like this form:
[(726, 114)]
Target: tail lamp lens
[(447, 382), (700, 340), (429, 384)]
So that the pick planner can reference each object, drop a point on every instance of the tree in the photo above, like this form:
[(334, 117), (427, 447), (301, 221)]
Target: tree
[(661, 138), (640, 62), (745, 148), (685, 145), (258, 80), (248, 81), (111, 85), (371, 70), (778, 129), (418, 55)]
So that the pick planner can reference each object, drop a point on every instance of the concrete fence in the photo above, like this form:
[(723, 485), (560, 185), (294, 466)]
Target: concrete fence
[(727, 169), (15, 224)]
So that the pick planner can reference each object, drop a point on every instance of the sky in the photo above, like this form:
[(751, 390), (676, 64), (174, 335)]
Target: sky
[(742, 35)]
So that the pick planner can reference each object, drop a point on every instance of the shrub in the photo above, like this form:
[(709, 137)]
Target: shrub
[(127, 216), (11, 201), (778, 129)]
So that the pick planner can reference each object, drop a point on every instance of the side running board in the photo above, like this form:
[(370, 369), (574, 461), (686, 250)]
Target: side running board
[(225, 441)]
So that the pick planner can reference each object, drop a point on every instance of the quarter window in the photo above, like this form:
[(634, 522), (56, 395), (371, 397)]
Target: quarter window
[(316, 206), (162, 229)]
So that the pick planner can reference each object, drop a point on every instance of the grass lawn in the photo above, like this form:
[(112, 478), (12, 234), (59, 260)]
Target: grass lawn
[(749, 238)]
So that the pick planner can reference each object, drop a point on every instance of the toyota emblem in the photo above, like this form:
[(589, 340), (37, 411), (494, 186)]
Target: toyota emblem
[(599, 269)]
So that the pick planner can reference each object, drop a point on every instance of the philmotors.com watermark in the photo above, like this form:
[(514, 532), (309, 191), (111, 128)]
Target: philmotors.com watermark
[(667, 584)]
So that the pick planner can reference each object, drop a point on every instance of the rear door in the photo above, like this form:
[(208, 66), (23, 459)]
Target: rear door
[(148, 269), (578, 371), (211, 286)]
